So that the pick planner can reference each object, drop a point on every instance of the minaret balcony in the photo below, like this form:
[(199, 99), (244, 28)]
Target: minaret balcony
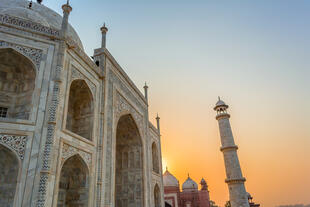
[(222, 116), (235, 180), (229, 148)]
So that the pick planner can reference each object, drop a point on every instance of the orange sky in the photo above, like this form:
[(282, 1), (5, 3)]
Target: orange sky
[(254, 54)]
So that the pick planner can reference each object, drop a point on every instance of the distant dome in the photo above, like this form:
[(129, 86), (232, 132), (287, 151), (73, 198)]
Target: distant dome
[(189, 185), (170, 180), (38, 13)]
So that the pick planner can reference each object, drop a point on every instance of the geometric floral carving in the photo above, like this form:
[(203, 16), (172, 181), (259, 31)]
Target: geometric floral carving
[(34, 54), (123, 106), (69, 151), (76, 74), (26, 24), (17, 143)]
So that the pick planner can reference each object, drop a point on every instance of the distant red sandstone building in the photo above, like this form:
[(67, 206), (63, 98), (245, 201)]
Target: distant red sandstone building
[(190, 195)]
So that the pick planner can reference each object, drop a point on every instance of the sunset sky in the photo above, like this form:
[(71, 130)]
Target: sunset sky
[(254, 54)]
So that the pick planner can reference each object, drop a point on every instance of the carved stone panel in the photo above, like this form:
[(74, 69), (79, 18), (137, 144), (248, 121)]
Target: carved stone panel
[(29, 25), (15, 142), (122, 106), (76, 74), (34, 54), (69, 151)]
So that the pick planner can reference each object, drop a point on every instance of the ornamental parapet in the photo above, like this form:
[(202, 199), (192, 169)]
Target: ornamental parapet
[(222, 116), (234, 180), (28, 25), (229, 148)]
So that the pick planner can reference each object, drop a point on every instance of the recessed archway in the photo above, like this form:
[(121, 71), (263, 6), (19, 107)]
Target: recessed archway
[(17, 83), (129, 164), (9, 167), (80, 116), (73, 183), (155, 160), (157, 201)]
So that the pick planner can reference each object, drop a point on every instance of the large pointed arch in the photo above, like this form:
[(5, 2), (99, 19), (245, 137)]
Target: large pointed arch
[(9, 171), (129, 164), (74, 183), (157, 200), (17, 84), (155, 158), (80, 115)]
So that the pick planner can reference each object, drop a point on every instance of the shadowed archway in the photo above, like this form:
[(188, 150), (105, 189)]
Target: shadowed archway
[(157, 201), (73, 183), (9, 168), (17, 83), (80, 116), (155, 160), (129, 164)]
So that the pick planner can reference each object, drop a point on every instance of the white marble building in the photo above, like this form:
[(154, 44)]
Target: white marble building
[(73, 131)]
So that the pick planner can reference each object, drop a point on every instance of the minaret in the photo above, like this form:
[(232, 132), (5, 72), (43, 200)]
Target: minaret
[(145, 92), (158, 123), (104, 31), (235, 180)]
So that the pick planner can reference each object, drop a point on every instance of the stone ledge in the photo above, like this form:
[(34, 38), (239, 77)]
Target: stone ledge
[(235, 180), (229, 148), (222, 116)]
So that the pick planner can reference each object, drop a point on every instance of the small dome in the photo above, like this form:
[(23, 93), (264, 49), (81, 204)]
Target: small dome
[(203, 182), (39, 14), (220, 103), (189, 185), (170, 180)]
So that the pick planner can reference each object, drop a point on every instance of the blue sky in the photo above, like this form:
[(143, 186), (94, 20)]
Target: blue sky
[(255, 54)]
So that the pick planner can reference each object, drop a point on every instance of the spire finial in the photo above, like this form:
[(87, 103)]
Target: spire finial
[(68, 2), (166, 168), (219, 98), (188, 175)]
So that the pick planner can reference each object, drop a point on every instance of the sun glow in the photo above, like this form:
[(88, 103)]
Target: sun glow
[(164, 164)]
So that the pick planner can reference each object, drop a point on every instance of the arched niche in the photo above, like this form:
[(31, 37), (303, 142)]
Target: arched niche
[(73, 183), (157, 200), (155, 160), (80, 116), (9, 168), (17, 83), (129, 164)]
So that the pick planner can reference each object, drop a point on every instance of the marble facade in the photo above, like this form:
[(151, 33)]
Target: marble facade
[(74, 131)]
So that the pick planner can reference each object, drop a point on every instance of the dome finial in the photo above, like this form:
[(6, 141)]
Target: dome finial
[(219, 98)]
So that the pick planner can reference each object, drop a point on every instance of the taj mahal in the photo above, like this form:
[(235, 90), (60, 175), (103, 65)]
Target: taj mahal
[(75, 130)]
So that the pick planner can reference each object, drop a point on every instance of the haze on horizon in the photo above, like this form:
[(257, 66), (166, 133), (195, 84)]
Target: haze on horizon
[(254, 54)]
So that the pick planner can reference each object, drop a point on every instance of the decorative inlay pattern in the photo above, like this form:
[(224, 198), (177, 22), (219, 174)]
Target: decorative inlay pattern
[(123, 106), (26, 24), (76, 74), (34, 54), (74, 46), (69, 151), (17, 143)]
